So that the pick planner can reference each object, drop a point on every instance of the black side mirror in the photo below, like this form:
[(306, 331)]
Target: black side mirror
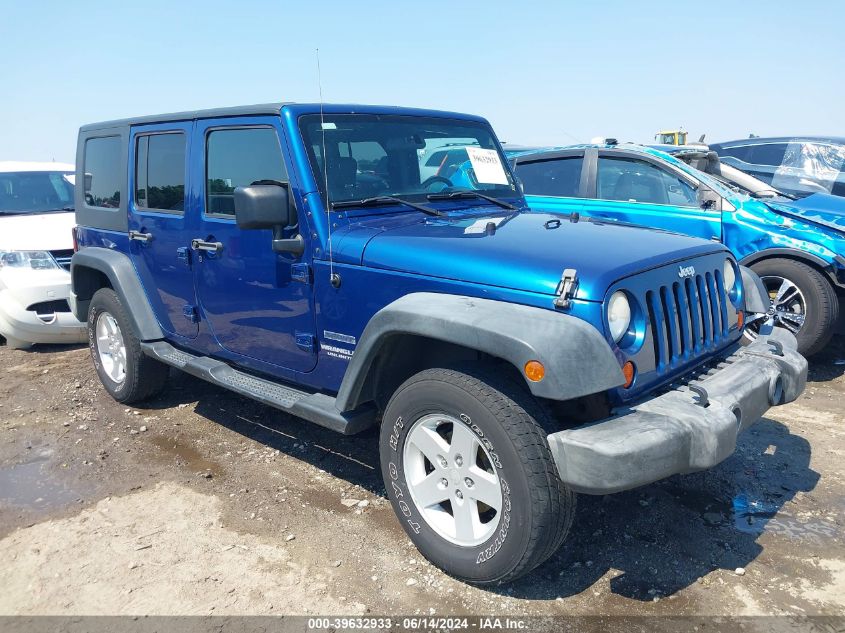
[(709, 199), (262, 206)]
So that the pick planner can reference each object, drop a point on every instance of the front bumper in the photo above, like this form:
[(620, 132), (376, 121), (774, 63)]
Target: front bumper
[(16, 322), (685, 430)]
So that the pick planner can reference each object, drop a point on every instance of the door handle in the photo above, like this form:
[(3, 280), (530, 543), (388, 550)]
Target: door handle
[(208, 247), (138, 236)]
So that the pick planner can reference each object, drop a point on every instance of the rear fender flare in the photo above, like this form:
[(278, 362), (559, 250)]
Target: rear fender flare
[(86, 269)]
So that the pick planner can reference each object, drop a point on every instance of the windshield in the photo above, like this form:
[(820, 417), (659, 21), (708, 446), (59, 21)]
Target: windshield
[(403, 156), (35, 192)]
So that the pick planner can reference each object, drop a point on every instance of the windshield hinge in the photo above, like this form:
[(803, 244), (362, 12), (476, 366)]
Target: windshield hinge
[(301, 272), (566, 288)]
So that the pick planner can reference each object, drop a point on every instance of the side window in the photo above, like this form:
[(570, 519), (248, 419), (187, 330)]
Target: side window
[(740, 152), (639, 181), (160, 172), (102, 172), (559, 177), (768, 154), (239, 158)]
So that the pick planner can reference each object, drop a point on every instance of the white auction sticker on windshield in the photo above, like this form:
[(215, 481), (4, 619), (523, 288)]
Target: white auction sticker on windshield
[(487, 166)]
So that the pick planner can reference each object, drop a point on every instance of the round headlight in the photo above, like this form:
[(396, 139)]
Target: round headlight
[(730, 275), (618, 315)]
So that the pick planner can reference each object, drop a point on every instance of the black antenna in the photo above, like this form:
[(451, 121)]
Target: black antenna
[(334, 279)]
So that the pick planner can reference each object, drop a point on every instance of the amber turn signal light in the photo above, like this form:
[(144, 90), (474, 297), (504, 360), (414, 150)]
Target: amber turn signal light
[(740, 319), (534, 370), (629, 371)]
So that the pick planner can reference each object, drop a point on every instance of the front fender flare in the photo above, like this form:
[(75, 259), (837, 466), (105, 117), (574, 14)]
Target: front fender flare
[(577, 358), (123, 279), (756, 297)]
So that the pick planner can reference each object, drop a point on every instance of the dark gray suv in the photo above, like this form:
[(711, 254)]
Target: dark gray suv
[(800, 165)]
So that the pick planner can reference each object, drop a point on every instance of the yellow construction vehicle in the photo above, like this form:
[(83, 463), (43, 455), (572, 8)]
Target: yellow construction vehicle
[(671, 137)]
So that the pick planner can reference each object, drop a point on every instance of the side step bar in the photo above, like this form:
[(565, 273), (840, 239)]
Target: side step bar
[(314, 407)]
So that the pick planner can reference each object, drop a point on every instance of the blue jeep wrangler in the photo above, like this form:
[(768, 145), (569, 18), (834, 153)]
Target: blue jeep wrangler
[(303, 256)]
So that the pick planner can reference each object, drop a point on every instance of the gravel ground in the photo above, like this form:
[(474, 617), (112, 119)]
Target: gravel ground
[(202, 502)]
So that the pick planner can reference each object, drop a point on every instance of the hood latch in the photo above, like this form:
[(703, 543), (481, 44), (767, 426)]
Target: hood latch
[(566, 288)]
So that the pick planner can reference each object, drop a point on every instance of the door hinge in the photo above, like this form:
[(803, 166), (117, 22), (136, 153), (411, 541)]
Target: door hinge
[(190, 313), (305, 341), (566, 288), (301, 272), (183, 254)]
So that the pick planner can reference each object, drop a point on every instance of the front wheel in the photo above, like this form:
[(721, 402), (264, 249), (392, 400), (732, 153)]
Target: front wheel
[(802, 301), (469, 473)]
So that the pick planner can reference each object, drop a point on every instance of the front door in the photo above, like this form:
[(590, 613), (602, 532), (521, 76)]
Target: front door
[(158, 226), (640, 192), (258, 303)]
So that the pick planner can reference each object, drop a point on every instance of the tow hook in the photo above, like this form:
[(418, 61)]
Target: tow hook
[(777, 347)]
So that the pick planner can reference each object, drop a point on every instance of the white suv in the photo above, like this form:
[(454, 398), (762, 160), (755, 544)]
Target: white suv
[(36, 244)]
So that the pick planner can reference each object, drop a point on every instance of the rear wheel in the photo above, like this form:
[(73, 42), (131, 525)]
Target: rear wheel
[(126, 373), (469, 473), (802, 301)]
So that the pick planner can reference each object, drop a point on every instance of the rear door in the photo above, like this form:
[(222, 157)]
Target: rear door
[(640, 191), (554, 184), (158, 225), (258, 303)]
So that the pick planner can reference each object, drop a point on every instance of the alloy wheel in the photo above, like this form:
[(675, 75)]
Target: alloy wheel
[(787, 308), (111, 348), (452, 480)]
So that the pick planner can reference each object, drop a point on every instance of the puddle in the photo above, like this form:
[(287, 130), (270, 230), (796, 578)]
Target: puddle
[(753, 516), (190, 457), (32, 485)]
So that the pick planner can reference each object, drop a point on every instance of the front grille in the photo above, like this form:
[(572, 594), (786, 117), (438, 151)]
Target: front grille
[(63, 258), (688, 318)]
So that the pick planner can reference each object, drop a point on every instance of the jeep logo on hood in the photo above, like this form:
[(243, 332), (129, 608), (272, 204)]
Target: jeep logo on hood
[(686, 271)]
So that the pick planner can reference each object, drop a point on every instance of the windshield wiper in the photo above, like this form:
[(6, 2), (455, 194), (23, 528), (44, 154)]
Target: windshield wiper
[(470, 193), (35, 211), (379, 200)]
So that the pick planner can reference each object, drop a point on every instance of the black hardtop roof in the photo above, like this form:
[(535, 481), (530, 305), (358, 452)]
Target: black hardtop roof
[(274, 109), (247, 110)]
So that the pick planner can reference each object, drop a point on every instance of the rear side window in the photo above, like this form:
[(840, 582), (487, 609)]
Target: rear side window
[(559, 178), (239, 158), (740, 152), (768, 154), (160, 172), (102, 172)]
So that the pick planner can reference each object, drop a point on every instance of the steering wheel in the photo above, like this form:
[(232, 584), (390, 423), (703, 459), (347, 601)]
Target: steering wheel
[(425, 184)]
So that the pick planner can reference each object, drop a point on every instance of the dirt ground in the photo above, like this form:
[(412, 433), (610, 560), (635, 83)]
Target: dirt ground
[(202, 502)]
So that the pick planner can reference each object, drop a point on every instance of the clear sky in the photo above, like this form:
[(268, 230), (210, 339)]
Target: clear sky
[(543, 72)]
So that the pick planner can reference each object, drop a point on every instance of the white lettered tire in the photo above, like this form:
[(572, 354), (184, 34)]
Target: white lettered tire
[(469, 473)]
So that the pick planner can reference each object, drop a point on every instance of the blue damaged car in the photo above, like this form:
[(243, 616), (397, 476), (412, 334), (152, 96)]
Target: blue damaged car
[(326, 261), (796, 247)]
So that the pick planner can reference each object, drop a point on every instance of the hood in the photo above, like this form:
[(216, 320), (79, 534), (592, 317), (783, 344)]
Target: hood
[(521, 251), (820, 208), (37, 231)]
